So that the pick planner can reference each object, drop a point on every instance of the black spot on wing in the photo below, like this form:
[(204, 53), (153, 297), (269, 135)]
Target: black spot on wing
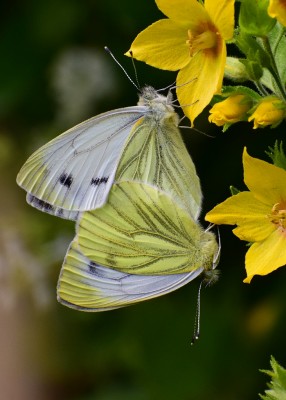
[(92, 267), (60, 212), (99, 181), (66, 180), (97, 270), (40, 204)]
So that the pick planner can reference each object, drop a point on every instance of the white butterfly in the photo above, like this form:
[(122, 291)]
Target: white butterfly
[(75, 171)]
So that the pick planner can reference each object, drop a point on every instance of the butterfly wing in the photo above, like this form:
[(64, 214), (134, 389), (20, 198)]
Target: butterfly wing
[(75, 171), (85, 285), (156, 154), (51, 209), (142, 230)]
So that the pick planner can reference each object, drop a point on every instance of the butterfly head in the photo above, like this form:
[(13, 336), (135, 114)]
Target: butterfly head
[(159, 107)]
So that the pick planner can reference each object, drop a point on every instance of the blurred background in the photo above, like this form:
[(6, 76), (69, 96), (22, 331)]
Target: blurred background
[(54, 74)]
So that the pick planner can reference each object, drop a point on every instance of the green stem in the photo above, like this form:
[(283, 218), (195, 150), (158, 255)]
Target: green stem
[(261, 89), (274, 72), (277, 41)]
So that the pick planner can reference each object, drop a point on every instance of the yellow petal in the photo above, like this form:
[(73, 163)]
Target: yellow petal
[(266, 181), (162, 45), (188, 13), (230, 110), (277, 9), (269, 111), (245, 211), (266, 256), (200, 80), (222, 14)]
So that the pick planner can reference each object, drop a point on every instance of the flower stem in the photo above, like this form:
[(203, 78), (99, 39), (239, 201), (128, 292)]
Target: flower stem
[(277, 41), (261, 89)]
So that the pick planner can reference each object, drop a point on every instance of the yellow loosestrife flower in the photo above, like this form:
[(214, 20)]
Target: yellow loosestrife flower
[(230, 110), (277, 9), (270, 111), (260, 216), (191, 40)]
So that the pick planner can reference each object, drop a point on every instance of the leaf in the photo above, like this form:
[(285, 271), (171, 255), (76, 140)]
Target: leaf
[(254, 19), (277, 155), (277, 385)]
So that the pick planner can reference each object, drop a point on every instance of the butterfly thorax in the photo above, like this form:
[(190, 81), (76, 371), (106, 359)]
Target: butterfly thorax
[(159, 107)]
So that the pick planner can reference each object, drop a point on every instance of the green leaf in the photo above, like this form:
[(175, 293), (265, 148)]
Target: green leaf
[(277, 385), (254, 18), (225, 127), (253, 68), (231, 90), (228, 90), (253, 50), (277, 42), (234, 190), (277, 155), (268, 81)]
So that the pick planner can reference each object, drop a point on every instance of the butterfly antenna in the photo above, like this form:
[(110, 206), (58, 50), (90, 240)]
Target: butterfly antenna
[(196, 334), (210, 278), (135, 70), (118, 63)]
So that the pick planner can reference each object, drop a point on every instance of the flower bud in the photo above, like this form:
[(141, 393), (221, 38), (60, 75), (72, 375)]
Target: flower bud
[(270, 111), (230, 110), (235, 70)]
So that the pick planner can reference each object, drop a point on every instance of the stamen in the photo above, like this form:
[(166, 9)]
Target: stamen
[(206, 40), (278, 215)]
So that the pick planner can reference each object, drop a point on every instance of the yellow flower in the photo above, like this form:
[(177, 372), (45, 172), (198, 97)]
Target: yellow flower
[(277, 9), (230, 110), (192, 41), (270, 111), (260, 216)]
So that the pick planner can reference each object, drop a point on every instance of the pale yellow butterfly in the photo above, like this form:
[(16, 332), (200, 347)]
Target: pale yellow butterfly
[(142, 244)]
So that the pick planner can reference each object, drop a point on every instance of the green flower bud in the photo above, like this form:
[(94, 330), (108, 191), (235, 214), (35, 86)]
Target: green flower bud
[(235, 70)]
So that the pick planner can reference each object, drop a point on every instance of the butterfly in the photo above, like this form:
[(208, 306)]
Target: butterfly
[(75, 171), (87, 286), (140, 245)]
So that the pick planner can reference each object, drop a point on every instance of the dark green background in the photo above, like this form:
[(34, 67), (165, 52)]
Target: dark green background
[(142, 352)]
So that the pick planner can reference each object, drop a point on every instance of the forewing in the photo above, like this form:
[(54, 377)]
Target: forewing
[(85, 285), (50, 209), (155, 153), (141, 230), (76, 170)]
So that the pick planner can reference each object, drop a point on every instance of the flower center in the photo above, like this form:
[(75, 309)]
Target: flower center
[(208, 39), (278, 215)]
